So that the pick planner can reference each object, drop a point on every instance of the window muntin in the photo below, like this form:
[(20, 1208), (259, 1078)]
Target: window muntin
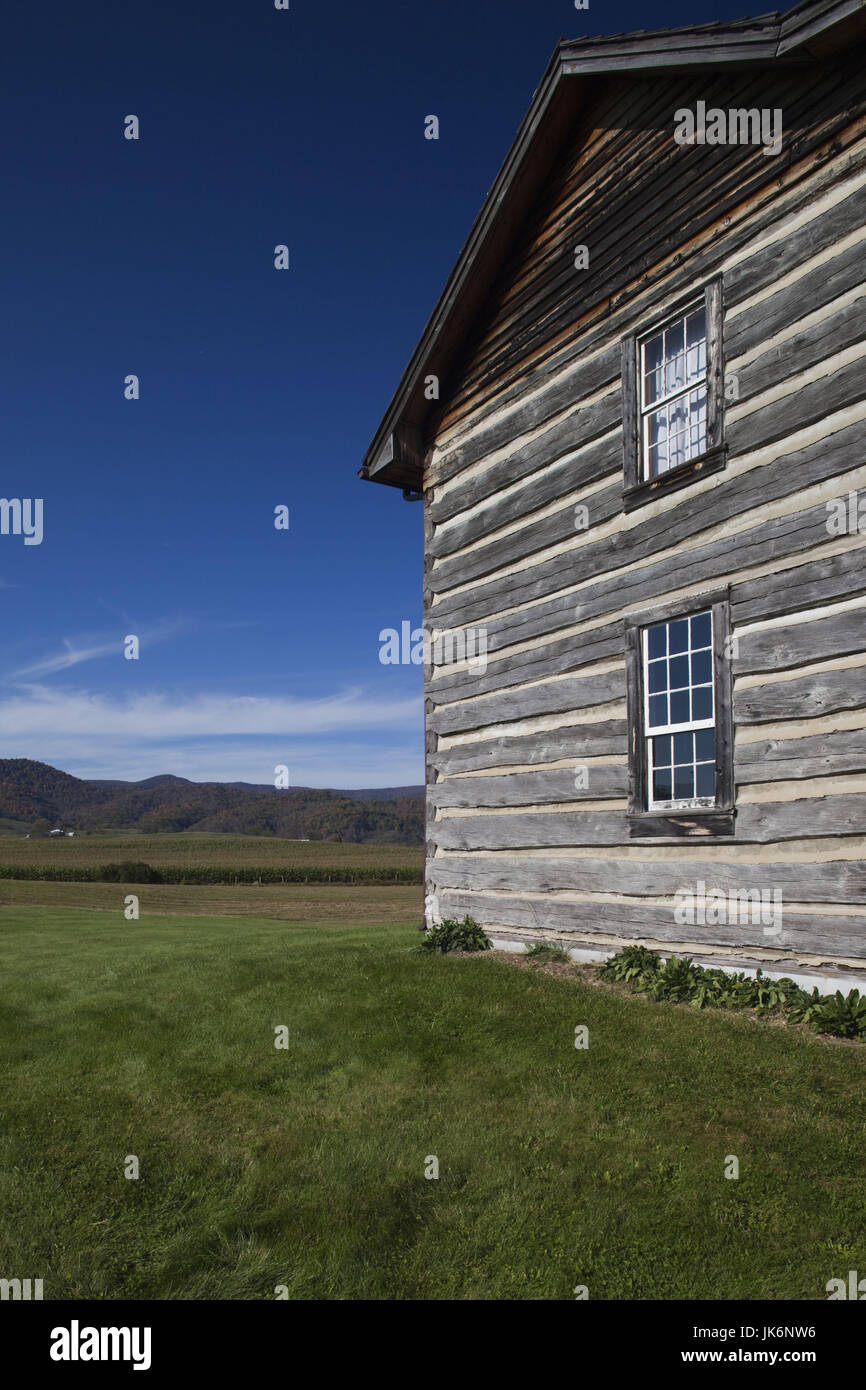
[(679, 712), (673, 392)]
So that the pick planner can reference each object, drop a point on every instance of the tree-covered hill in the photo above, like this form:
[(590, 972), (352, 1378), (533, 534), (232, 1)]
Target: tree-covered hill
[(34, 793)]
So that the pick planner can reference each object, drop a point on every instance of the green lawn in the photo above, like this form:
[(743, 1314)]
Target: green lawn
[(305, 1167)]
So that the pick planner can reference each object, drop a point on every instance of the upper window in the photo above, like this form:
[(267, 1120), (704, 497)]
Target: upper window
[(673, 390)]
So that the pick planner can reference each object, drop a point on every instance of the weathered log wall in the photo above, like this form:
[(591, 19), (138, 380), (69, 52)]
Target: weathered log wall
[(532, 427)]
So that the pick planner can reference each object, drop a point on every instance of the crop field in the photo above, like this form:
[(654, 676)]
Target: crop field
[(287, 902), (193, 849)]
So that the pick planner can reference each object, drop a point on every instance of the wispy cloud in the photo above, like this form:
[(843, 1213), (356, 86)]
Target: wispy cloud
[(352, 738), (70, 656), (76, 650), (143, 718)]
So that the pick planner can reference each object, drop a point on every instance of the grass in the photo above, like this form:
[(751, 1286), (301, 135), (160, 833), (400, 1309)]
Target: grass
[(305, 1167), (193, 848)]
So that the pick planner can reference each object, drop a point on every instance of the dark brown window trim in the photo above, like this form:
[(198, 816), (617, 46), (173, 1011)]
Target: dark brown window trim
[(698, 821), (710, 462), (695, 825), (638, 490)]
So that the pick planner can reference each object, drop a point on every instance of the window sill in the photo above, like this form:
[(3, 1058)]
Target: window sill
[(712, 461), (697, 823)]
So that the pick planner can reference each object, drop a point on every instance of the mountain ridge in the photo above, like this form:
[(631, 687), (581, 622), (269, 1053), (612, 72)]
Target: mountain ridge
[(32, 792)]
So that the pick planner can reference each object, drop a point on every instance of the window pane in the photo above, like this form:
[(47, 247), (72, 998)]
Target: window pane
[(678, 438), (684, 781), (702, 702), (678, 415), (652, 362), (678, 635), (657, 640), (696, 341), (658, 426), (658, 676), (684, 748), (698, 422), (705, 745), (658, 450), (680, 708), (662, 784), (706, 779), (702, 667), (679, 672), (702, 627), (662, 750), (675, 362), (658, 710)]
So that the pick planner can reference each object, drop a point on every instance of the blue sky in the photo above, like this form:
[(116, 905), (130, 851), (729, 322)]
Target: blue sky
[(258, 387)]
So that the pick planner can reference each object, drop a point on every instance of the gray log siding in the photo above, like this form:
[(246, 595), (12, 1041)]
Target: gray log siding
[(764, 760), (829, 935), (683, 517), (789, 759), (785, 538), (802, 641), (527, 757), (548, 697), (534, 788), (822, 882), (761, 823), (819, 693)]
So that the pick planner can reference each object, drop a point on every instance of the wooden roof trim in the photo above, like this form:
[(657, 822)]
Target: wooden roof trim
[(807, 27)]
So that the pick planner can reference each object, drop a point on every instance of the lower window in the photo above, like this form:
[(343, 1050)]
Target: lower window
[(680, 712), (679, 699)]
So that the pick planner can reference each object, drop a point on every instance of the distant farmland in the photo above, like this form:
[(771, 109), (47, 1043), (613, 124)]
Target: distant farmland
[(192, 849), (291, 902)]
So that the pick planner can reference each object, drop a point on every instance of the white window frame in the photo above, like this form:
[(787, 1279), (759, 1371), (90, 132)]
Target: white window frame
[(645, 412), (690, 726)]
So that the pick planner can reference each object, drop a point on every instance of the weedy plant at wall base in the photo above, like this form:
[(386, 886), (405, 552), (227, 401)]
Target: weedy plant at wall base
[(680, 981), (451, 935)]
